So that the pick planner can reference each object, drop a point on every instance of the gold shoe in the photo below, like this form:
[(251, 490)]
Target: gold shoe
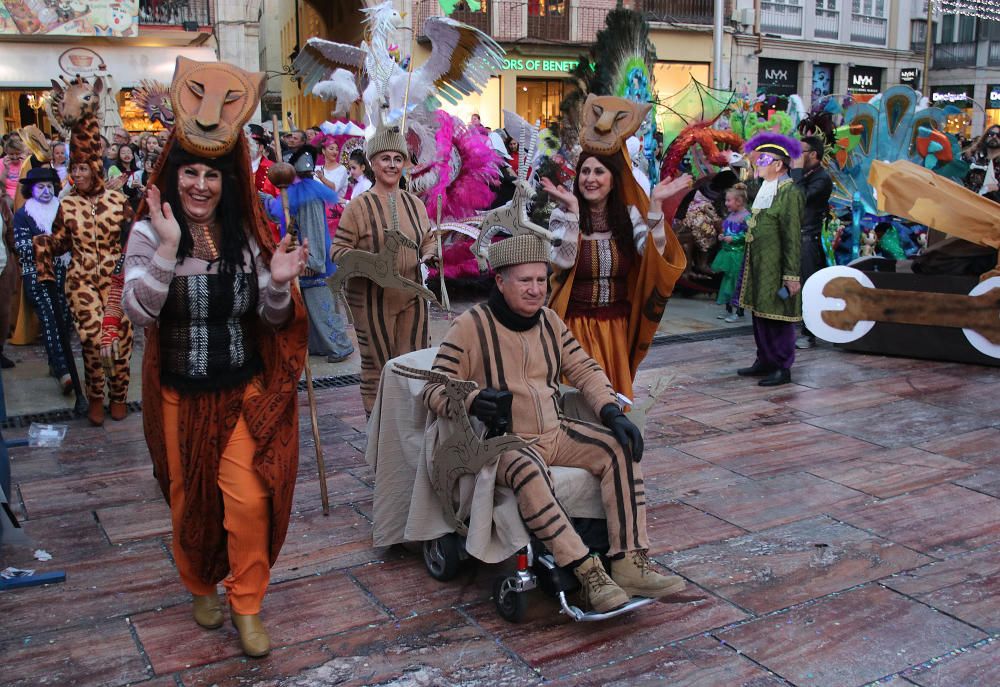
[(208, 610), (253, 636), (636, 575)]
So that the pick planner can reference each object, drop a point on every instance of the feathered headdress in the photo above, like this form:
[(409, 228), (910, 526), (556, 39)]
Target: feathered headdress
[(776, 144)]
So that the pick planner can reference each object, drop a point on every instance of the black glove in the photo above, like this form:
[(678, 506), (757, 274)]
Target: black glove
[(486, 406), (627, 434)]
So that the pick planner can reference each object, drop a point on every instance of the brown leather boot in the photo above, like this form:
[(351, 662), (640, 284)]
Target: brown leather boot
[(253, 636), (208, 610), (95, 412), (599, 591), (635, 574), (118, 410)]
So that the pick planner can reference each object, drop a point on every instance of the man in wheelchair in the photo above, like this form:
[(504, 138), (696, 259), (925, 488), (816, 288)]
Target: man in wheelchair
[(514, 345)]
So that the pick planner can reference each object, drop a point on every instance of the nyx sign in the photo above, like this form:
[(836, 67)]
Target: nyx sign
[(867, 80), (777, 77), (909, 76)]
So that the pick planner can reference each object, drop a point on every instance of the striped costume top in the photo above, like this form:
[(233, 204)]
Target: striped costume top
[(529, 364)]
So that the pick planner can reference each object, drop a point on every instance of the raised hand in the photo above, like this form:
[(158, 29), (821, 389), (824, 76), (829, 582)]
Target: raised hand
[(161, 216), (669, 188), (288, 263), (561, 195)]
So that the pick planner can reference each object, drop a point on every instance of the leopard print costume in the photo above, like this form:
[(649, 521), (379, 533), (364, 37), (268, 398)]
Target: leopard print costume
[(93, 229)]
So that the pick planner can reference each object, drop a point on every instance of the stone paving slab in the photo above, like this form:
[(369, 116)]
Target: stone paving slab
[(834, 540), (850, 638)]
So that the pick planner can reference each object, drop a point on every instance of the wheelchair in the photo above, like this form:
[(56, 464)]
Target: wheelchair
[(478, 520)]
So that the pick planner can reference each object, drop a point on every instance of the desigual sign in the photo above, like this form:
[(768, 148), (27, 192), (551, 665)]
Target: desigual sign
[(538, 64), (960, 96), (993, 97)]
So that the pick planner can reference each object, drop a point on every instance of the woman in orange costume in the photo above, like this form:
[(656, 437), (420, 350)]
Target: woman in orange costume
[(225, 346), (618, 259)]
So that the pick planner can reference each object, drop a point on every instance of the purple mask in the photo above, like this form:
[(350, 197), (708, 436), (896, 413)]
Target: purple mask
[(43, 191), (764, 159)]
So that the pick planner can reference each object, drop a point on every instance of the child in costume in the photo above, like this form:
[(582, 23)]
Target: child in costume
[(729, 259)]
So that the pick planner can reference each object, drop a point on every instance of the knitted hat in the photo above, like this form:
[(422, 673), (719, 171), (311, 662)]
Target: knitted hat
[(518, 250), (386, 138)]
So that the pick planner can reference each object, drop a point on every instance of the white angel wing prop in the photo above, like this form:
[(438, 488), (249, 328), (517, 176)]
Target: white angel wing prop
[(319, 58), (526, 136), (462, 59)]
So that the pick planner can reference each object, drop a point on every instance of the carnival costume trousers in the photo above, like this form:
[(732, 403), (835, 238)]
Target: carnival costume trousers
[(246, 506), (87, 301), (594, 449), (388, 323), (42, 302), (775, 341)]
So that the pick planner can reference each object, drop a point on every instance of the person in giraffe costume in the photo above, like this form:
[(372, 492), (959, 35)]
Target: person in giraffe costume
[(92, 224)]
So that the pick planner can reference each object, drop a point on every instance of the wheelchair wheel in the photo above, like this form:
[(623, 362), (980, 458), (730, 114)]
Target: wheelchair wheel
[(442, 558), (511, 604)]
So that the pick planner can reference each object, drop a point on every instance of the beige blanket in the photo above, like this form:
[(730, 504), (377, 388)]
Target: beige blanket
[(401, 438)]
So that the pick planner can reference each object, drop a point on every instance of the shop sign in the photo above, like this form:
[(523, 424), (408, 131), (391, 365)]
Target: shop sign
[(112, 18), (866, 80), (777, 77), (993, 97), (909, 76), (959, 96), (538, 64)]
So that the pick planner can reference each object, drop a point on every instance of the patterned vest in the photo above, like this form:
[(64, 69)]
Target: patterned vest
[(601, 280), (206, 332)]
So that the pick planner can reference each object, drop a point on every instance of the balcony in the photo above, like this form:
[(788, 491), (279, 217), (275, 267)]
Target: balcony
[(869, 30), (954, 55), (678, 11), (479, 20), (187, 14), (827, 24), (549, 27), (994, 54), (777, 17)]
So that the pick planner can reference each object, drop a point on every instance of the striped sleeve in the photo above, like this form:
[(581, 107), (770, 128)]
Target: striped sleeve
[(147, 276), (453, 359), (348, 231)]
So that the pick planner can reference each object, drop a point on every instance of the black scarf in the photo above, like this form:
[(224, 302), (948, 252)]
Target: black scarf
[(507, 317)]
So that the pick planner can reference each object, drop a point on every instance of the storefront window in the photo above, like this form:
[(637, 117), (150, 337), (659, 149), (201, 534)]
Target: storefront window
[(992, 106), (956, 101), (546, 8), (485, 104), (538, 99)]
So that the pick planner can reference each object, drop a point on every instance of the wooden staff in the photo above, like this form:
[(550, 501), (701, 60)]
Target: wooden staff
[(282, 179), (445, 301)]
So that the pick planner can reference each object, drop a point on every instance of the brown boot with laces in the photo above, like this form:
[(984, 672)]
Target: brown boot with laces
[(636, 575), (599, 591)]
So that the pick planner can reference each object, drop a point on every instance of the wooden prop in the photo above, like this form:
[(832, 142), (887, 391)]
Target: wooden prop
[(382, 267), (463, 452), (511, 218), (637, 414), (915, 193), (445, 301), (282, 179), (977, 315)]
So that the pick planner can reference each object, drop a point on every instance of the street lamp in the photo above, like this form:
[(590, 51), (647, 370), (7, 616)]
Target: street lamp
[(36, 103)]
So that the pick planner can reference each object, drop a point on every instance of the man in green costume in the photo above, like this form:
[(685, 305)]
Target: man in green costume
[(771, 281)]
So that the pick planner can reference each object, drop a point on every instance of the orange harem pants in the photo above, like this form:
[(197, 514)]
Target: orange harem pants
[(246, 508), (580, 445), (388, 323), (606, 341)]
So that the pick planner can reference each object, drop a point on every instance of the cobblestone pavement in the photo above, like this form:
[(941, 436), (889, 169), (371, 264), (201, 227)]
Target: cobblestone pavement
[(844, 529)]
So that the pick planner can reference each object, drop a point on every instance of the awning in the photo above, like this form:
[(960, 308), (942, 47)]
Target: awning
[(34, 65)]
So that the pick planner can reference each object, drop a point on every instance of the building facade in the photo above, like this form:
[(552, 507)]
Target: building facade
[(965, 68), (544, 39), (816, 48)]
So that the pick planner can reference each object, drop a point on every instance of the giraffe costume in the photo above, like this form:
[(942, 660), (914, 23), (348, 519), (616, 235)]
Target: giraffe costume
[(92, 225)]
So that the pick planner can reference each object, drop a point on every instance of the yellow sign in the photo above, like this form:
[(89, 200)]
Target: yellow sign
[(114, 18)]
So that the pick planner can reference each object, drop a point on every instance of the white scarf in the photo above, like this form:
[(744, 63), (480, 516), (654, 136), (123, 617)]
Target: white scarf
[(44, 214), (254, 164), (765, 196)]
